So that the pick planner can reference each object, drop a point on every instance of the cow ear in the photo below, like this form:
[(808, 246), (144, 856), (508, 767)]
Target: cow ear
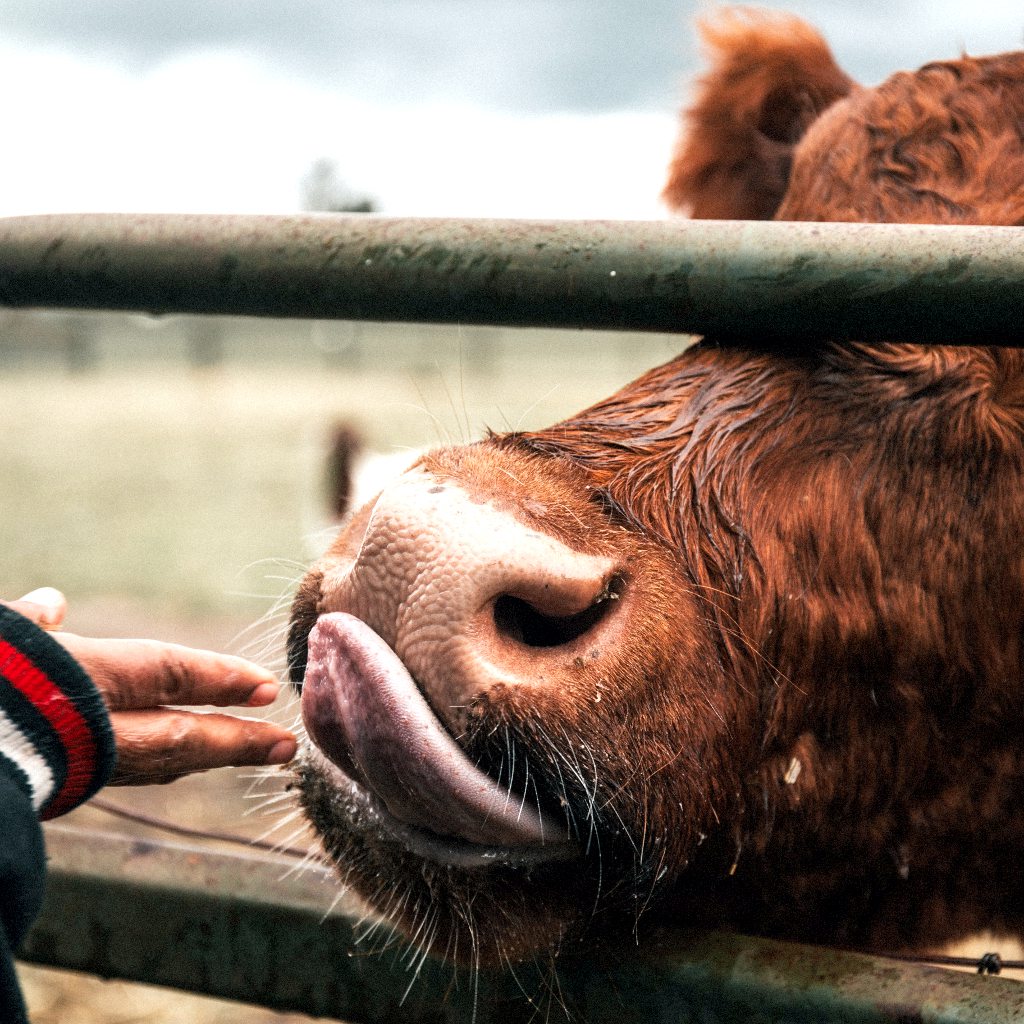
[(771, 76)]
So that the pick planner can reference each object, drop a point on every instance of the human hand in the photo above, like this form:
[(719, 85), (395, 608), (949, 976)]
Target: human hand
[(138, 679)]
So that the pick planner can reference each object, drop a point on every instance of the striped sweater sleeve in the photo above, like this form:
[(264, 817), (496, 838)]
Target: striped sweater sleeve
[(55, 735)]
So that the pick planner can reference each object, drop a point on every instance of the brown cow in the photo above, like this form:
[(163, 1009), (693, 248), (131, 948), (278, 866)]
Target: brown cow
[(740, 645)]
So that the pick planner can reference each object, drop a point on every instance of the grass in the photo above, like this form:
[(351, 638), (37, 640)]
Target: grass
[(192, 491)]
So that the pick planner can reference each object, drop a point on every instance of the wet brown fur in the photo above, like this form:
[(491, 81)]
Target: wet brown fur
[(771, 76), (816, 732)]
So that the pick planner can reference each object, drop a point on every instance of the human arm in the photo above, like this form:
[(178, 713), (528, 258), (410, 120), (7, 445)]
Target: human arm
[(145, 684), (64, 734), (56, 749)]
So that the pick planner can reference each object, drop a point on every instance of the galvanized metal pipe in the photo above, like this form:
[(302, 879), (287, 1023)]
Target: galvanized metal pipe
[(253, 928), (736, 279)]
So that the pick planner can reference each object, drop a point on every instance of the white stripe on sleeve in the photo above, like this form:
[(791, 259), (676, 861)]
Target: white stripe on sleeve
[(15, 745)]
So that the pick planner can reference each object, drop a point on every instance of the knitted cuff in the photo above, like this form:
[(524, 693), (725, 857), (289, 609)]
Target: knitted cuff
[(55, 734)]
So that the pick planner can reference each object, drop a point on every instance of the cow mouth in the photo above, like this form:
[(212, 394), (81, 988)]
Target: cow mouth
[(387, 748)]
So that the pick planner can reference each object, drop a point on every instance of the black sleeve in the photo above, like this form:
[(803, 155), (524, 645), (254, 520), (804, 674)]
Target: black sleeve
[(56, 749), (22, 878)]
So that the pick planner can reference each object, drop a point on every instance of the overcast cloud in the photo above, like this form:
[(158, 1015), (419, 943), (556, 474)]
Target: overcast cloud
[(458, 107), (521, 55)]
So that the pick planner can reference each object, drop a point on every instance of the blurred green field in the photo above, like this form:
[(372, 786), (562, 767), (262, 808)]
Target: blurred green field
[(197, 492)]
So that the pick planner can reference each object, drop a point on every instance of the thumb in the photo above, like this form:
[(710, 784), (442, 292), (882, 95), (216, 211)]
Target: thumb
[(45, 606)]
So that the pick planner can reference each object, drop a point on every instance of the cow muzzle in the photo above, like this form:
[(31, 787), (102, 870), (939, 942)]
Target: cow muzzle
[(434, 600)]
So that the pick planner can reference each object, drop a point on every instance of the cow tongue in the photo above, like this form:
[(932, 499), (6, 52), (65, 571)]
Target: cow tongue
[(363, 710)]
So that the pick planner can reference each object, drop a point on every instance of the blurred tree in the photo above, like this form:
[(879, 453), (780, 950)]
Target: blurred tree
[(323, 191)]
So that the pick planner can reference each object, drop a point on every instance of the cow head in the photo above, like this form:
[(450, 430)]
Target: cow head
[(740, 644)]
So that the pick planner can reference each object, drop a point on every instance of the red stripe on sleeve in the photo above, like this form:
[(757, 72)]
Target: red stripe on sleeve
[(59, 710)]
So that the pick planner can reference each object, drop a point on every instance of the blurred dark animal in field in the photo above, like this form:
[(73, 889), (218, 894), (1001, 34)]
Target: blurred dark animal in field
[(740, 645), (340, 468), (353, 473)]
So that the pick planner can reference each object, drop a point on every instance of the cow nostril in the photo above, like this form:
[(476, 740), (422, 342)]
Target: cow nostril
[(520, 621)]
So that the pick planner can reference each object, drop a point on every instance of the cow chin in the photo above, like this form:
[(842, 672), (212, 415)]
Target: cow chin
[(486, 675), (476, 915)]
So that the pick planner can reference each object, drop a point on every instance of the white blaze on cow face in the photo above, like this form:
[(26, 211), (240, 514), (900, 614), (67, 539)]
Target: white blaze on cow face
[(438, 574)]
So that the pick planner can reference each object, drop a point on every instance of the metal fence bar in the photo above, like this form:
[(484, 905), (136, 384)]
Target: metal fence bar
[(253, 928), (750, 279)]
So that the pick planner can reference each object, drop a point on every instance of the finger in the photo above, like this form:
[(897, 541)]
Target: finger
[(162, 744), (45, 606), (148, 673)]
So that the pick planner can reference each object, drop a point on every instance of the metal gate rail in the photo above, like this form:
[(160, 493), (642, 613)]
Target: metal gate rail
[(256, 929), (750, 279)]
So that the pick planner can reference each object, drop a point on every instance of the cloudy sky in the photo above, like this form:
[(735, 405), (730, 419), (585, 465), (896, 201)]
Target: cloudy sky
[(435, 107)]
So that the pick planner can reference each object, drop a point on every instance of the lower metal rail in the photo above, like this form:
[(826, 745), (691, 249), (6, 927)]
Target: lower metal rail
[(258, 929)]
